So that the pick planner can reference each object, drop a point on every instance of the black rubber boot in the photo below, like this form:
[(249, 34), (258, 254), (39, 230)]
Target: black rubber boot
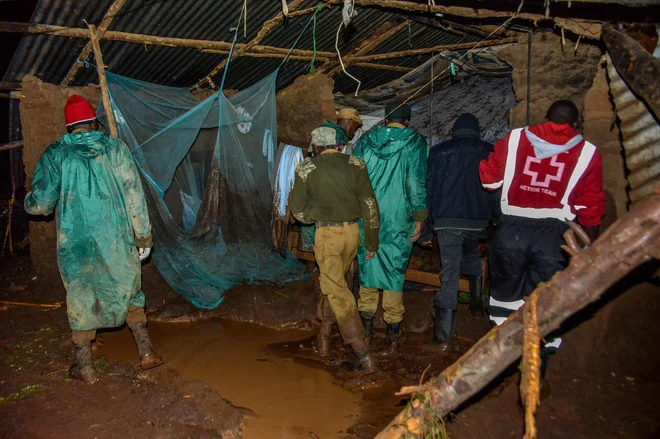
[(83, 369), (545, 354), (148, 357), (443, 328), (368, 323), (393, 334), (476, 296), (323, 339)]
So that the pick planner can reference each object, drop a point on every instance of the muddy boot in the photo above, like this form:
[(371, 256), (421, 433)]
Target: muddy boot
[(476, 296), (365, 363), (83, 369), (393, 335), (148, 358), (443, 328), (323, 339), (368, 323)]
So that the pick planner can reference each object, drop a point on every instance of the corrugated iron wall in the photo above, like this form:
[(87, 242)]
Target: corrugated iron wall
[(641, 137)]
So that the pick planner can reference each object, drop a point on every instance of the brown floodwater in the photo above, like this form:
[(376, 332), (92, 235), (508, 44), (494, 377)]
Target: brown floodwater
[(289, 400)]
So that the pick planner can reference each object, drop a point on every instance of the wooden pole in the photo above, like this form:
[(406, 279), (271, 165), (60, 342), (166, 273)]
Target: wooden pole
[(103, 82), (436, 49), (103, 27), (293, 56), (631, 241), (12, 145), (379, 36)]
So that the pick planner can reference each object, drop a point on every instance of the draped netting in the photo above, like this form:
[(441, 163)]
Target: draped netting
[(207, 169)]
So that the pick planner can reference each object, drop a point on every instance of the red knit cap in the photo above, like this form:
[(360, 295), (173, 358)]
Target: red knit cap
[(78, 110)]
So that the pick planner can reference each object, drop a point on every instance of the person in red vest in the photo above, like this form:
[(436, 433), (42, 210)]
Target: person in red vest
[(549, 175)]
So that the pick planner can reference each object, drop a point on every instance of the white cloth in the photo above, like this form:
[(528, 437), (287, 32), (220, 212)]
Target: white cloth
[(286, 172)]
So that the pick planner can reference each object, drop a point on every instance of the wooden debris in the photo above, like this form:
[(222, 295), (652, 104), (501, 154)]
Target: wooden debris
[(34, 305), (628, 243), (103, 82), (114, 9)]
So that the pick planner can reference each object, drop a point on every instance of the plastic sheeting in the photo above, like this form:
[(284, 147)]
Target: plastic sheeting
[(208, 168)]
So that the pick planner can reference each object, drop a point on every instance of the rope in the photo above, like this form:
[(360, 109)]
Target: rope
[(87, 64), (231, 51), (313, 19), (312, 67), (348, 12), (433, 78)]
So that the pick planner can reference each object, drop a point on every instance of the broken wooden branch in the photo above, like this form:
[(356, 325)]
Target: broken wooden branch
[(636, 66), (35, 305), (627, 244), (435, 49), (103, 82), (579, 27), (295, 57), (12, 145), (263, 33), (113, 10)]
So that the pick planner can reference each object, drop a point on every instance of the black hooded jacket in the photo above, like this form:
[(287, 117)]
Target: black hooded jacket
[(454, 194)]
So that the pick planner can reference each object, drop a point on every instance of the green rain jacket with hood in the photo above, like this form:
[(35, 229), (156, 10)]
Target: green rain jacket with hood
[(92, 183), (396, 161)]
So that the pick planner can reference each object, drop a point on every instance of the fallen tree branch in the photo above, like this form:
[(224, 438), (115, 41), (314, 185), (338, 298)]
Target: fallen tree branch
[(34, 305), (628, 243)]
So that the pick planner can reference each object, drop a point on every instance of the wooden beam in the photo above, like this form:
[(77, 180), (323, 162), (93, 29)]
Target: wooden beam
[(379, 36), (370, 65), (10, 85), (61, 31), (103, 82), (270, 55), (12, 145), (436, 49), (590, 29), (263, 33), (114, 9)]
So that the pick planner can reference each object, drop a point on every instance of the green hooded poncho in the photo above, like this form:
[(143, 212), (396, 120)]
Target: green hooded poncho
[(396, 161), (101, 218)]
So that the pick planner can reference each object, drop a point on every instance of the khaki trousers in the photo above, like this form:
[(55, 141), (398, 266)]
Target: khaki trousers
[(135, 315), (392, 304), (335, 247)]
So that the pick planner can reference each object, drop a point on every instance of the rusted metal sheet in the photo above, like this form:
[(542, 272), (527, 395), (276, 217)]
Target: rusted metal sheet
[(641, 136)]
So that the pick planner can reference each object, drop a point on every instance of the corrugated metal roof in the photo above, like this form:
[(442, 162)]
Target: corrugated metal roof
[(641, 137), (50, 57)]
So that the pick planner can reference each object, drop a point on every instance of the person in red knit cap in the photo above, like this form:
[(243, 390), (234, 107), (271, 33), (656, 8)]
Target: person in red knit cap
[(549, 175), (103, 232)]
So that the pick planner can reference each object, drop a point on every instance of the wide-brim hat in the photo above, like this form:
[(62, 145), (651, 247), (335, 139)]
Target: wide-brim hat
[(350, 114)]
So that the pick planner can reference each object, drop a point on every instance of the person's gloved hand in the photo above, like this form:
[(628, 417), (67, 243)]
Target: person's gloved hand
[(144, 253)]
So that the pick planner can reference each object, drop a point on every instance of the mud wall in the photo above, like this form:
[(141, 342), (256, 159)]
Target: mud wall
[(556, 73), (303, 106), (42, 119)]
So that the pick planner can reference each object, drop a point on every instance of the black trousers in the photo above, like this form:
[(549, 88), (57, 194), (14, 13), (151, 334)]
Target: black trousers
[(459, 253), (524, 252)]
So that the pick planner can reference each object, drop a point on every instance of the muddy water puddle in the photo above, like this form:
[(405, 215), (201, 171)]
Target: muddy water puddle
[(286, 398)]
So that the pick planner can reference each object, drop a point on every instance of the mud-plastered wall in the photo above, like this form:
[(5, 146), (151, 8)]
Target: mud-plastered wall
[(557, 72), (42, 119), (303, 106)]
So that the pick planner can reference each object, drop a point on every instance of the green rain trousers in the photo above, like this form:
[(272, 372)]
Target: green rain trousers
[(396, 161), (101, 217)]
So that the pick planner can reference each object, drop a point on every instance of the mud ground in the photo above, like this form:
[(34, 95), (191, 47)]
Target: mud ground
[(38, 400)]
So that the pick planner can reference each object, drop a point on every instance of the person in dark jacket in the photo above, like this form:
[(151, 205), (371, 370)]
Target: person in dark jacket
[(459, 212)]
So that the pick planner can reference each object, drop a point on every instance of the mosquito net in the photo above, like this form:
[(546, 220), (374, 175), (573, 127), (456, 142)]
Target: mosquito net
[(207, 170)]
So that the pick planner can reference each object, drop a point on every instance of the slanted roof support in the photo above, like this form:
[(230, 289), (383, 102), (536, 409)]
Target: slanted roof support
[(113, 11)]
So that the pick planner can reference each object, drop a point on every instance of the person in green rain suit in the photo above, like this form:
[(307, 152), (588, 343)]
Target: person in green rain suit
[(396, 160), (103, 232)]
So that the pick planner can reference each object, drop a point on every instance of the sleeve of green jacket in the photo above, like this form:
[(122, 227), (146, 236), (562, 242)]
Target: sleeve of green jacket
[(299, 204), (416, 180), (134, 194), (46, 181), (370, 211)]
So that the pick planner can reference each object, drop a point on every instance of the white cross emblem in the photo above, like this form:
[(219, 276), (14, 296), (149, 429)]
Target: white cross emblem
[(548, 177)]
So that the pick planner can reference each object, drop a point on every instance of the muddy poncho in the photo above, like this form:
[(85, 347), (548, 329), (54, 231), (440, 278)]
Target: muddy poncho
[(396, 161), (93, 184)]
